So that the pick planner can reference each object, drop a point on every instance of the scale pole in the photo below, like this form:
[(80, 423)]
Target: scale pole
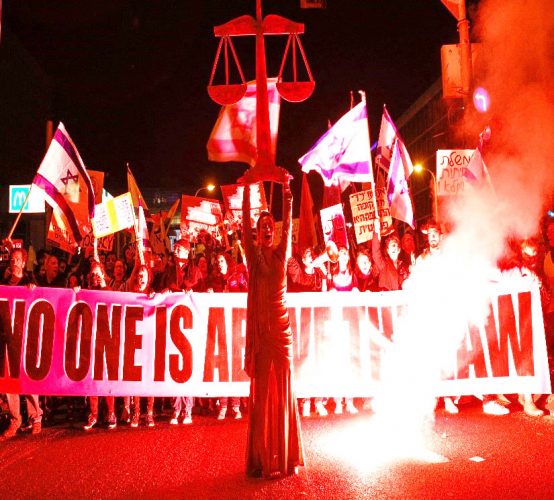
[(263, 139)]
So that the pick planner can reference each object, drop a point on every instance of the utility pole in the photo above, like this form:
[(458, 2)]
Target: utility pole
[(458, 9), (465, 51)]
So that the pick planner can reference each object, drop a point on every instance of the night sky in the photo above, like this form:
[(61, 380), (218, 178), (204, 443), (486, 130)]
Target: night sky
[(128, 79)]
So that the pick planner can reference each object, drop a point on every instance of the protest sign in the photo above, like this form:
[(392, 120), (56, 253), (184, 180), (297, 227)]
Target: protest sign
[(232, 199), (59, 237), (363, 213), (334, 225), (113, 215), (200, 214), (451, 164)]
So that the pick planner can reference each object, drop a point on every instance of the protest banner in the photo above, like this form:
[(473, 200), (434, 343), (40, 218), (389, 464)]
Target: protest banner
[(113, 215), (62, 342), (200, 214), (104, 244), (363, 213), (451, 164), (232, 199), (334, 225), (59, 235)]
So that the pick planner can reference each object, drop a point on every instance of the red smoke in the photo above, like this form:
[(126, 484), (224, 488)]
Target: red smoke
[(517, 68)]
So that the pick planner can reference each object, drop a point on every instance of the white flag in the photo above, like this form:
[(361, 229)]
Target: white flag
[(343, 152), (476, 171), (399, 171)]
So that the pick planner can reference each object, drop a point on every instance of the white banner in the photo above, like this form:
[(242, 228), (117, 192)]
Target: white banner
[(56, 341)]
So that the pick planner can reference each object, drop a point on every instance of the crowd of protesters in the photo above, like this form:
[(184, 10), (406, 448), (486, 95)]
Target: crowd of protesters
[(203, 265)]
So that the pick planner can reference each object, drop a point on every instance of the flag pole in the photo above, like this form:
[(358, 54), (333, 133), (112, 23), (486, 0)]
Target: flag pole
[(381, 176), (19, 214), (374, 187), (138, 241), (271, 186), (95, 248)]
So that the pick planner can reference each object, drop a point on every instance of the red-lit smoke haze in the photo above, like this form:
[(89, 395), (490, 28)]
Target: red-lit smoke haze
[(517, 68)]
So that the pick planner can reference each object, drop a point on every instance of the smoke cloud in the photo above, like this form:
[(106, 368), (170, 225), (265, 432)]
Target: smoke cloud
[(447, 291), (517, 68)]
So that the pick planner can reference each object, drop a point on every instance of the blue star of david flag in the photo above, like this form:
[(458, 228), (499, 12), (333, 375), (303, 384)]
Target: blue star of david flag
[(343, 152)]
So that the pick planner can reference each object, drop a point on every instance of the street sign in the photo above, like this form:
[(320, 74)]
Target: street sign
[(18, 193)]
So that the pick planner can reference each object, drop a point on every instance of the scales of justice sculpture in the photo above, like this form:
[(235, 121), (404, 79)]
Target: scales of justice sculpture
[(292, 91), (274, 444)]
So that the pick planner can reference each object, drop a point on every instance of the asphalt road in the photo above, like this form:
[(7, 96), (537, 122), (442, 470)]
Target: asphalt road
[(469, 455)]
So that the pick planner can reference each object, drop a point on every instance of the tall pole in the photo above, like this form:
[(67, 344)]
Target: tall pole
[(435, 197), (377, 220), (265, 168), (48, 211), (465, 50), (263, 140)]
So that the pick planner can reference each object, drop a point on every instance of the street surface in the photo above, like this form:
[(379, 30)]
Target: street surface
[(469, 455)]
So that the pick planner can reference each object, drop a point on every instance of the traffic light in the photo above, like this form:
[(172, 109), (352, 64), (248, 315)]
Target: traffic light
[(481, 99)]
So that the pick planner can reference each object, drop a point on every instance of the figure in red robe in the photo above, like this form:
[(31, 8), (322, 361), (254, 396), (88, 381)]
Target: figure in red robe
[(274, 447)]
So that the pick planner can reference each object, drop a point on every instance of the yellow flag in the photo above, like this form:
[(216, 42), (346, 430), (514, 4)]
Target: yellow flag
[(134, 190), (172, 210)]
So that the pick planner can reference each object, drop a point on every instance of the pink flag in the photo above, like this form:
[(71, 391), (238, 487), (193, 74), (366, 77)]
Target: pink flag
[(233, 137), (66, 185)]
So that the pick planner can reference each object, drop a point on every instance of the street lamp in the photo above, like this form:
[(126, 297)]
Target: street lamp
[(209, 188), (418, 168)]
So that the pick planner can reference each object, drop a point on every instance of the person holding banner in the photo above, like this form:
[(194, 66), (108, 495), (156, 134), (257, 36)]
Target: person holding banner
[(140, 282), (182, 275), (408, 252), (118, 282), (307, 276), (18, 277), (226, 279), (344, 280), (392, 270), (51, 277), (110, 263), (342, 277), (129, 259), (364, 271), (527, 263), (433, 234), (274, 446), (97, 281)]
